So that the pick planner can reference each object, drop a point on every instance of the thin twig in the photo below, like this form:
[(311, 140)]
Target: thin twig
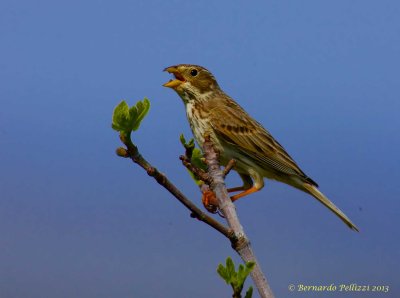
[(199, 173), (228, 168)]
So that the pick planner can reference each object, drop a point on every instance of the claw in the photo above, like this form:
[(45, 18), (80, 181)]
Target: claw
[(210, 202)]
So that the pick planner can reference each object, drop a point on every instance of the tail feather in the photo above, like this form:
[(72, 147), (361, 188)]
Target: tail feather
[(311, 189)]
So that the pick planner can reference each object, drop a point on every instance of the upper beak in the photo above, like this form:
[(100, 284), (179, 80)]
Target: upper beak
[(178, 78)]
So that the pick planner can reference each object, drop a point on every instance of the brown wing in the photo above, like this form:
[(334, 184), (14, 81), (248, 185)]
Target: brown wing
[(234, 126)]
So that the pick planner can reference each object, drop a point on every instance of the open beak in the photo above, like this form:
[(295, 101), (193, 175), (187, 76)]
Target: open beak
[(178, 78)]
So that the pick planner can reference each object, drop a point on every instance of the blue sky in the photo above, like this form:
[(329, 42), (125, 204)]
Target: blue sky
[(77, 221)]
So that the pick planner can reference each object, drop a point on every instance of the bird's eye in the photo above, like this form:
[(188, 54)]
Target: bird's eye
[(193, 72)]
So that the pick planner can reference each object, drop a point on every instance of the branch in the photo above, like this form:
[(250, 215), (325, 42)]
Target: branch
[(132, 152), (199, 173), (240, 243)]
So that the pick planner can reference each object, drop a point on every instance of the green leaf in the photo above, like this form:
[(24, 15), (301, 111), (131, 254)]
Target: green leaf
[(121, 119), (223, 273), (249, 293), (127, 119), (244, 271), (236, 279), (142, 108), (230, 267), (133, 114), (241, 275), (198, 159), (183, 140), (190, 145)]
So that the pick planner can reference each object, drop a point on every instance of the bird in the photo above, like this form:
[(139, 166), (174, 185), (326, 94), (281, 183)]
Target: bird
[(236, 135)]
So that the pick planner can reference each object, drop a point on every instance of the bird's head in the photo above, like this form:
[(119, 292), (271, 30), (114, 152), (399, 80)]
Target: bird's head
[(191, 80)]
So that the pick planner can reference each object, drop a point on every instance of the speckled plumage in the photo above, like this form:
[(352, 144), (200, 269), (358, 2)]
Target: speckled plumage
[(238, 136)]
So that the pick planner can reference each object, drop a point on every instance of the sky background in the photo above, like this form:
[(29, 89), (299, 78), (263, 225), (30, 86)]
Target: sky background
[(78, 221)]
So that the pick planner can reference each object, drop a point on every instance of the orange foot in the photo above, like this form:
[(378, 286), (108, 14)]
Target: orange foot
[(210, 201)]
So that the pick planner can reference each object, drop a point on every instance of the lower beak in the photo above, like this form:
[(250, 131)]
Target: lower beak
[(173, 84)]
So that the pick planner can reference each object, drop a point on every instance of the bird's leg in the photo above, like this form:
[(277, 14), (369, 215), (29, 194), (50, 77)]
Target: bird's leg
[(244, 193), (210, 201), (247, 184), (255, 186), (239, 188)]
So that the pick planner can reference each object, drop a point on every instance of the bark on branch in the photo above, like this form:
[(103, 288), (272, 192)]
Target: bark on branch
[(241, 243)]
